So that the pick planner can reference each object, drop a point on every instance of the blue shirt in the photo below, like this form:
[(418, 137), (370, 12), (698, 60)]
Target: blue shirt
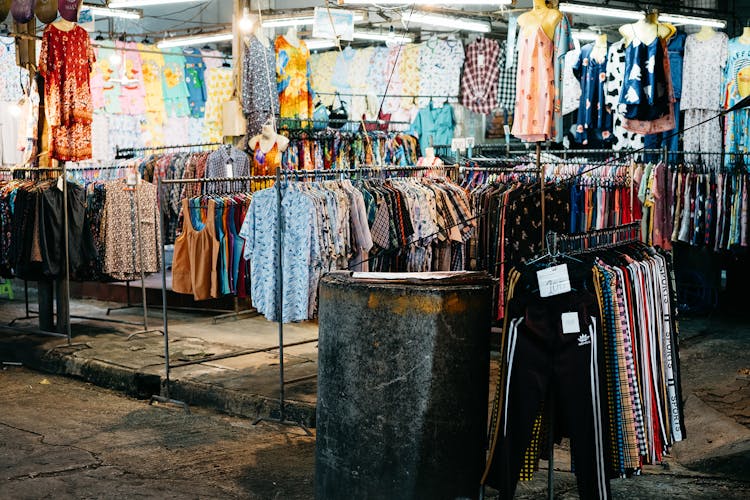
[(644, 91), (195, 70), (676, 49), (594, 118), (434, 126)]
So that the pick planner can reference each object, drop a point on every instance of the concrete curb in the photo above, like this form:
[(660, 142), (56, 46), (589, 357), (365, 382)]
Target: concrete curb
[(142, 385)]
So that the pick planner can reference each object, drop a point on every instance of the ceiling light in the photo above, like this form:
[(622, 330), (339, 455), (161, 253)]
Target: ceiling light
[(246, 22), (105, 12), (592, 10), (184, 41), (585, 36), (319, 43), (693, 21), (425, 2), (383, 37), (455, 23), (305, 20), (131, 4)]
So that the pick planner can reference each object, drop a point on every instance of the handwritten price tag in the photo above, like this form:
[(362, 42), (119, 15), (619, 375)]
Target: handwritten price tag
[(553, 281)]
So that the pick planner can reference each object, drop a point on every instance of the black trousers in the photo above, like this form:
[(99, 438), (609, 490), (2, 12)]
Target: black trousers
[(540, 357)]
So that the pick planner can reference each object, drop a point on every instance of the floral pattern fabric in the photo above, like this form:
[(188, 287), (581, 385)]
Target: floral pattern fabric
[(12, 78), (623, 139), (535, 87), (594, 116), (441, 61), (219, 90), (65, 63)]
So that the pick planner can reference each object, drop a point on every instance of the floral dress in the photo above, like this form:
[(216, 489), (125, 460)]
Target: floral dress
[(65, 63), (293, 80)]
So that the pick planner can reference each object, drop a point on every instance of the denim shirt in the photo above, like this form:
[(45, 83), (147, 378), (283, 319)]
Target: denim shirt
[(676, 49)]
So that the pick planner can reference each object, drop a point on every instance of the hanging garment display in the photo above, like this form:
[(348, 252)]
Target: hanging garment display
[(737, 87), (535, 86), (571, 85), (293, 80), (227, 161), (219, 90), (670, 138), (173, 82), (260, 99), (481, 71), (133, 87), (622, 138), (65, 63), (195, 70), (506, 88), (647, 88), (33, 229), (594, 122), (440, 63), (614, 327), (563, 44), (334, 224), (434, 126)]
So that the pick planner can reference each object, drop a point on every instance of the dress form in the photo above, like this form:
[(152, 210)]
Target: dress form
[(647, 29), (706, 33), (267, 138), (599, 53), (291, 36), (541, 16), (745, 37), (64, 25)]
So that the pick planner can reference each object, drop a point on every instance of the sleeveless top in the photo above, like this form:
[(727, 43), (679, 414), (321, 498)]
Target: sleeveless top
[(535, 86), (266, 163), (196, 253)]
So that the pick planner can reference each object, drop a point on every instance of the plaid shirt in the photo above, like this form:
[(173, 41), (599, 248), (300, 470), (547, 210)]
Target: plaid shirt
[(506, 89), (481, 73)]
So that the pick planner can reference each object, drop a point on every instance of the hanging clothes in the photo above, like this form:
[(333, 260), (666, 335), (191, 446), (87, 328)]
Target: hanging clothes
[(293, 80), (736, 87), (260, 99), (195, 79), (65, 63), (594, 117), (623, 138), (434, 126), (481, 71), (535, 86)]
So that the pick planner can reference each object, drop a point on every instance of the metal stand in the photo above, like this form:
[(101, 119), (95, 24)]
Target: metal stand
[(26, 300), (282, 418), (164, 396)]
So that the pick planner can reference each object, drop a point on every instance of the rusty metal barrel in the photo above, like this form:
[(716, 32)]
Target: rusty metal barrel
[(403, 370)]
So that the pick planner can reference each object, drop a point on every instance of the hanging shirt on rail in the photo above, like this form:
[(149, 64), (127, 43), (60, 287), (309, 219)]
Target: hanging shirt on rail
[(481, 71), (535, 86), (594, 116)]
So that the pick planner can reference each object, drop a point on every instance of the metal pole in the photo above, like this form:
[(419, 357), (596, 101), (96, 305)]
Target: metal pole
[(280, 293), (66, 298), (541, 182), (164, 287), (139, 243)]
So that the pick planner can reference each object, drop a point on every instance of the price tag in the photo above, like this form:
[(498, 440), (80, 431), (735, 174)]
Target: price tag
[(480, 59), (553, 281), (230, 171), (506, 129), (570, 323), (60, 183), (454, 144), (460, 143), (470, 142), (131, 179)]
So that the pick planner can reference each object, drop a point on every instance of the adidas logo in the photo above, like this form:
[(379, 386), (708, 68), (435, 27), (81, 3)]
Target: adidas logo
[(584, 339)]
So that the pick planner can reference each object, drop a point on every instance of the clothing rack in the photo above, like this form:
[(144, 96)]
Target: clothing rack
[(45, 289), (164, 397), (126, 153), (311, 122), (281, 175), (398, 96)]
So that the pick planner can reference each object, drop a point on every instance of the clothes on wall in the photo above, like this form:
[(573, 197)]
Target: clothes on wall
[(293, 79), (606, 351), (65, 63), (481, 70), (410, 224)]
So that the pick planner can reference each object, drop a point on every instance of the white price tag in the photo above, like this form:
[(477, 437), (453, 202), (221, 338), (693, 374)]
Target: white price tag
[(570, 323), (131, 179), (60, 183), (454, 144), (506, 128), (230, 171), (480, 59), (553, 281), (470, 142), (460, 143)]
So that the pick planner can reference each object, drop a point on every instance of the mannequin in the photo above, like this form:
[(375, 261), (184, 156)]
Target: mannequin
[(64, 25), (266, 149), (541, 16), (599, 54), (429, 159), (291, 36), (647, 29), (745, 37), (706, 33)]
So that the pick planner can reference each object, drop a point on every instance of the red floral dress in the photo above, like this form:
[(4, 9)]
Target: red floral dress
[(65, 63)]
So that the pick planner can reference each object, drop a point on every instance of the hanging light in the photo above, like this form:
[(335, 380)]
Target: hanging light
[(131, 4), (637, 15), (456, 23), (118, 13), (246, 22), (185, 41)]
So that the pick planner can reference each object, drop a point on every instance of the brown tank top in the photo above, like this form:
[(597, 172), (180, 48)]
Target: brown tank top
[(196, 255)]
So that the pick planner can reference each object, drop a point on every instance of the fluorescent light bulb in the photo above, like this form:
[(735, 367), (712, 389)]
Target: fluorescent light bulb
[(425, 2), (456, 23), (585, 36), (318, 43), (105, 12), (592, 10), (383, 37), (132, 4), (185, 41), (693, 21), (634, 15), (306, 20)]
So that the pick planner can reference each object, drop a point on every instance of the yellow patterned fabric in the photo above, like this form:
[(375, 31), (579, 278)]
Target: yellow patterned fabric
[(218, 91)]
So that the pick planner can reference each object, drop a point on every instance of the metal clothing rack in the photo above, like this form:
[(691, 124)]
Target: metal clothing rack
[(164, 397), (397, 96), (281, 174), (127, 153)]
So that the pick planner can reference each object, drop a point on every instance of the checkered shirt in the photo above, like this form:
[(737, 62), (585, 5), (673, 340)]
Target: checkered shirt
[(481, 72), (506, 89)]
